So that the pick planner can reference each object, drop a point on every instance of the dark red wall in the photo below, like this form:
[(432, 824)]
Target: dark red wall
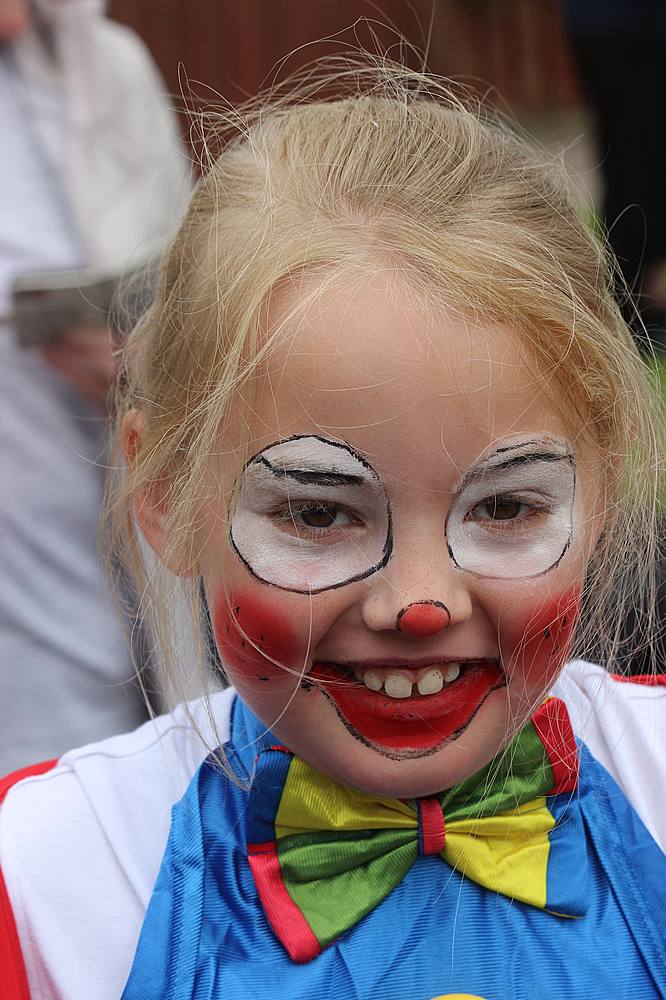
[(231, 47)]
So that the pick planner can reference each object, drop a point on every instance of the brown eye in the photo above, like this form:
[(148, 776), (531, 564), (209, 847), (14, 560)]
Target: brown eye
[(500, 509), (319, 517)]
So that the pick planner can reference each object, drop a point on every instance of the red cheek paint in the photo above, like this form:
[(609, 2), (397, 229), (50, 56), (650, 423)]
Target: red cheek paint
[(250, 634), (539, 647)]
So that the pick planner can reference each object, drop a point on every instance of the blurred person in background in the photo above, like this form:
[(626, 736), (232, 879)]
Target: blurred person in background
[(620, 50), (91, 173)]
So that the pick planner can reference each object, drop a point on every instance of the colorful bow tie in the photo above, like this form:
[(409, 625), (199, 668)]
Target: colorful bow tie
[(324, 855)]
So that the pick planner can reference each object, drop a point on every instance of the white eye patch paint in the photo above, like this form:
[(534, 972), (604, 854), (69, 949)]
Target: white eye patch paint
[(311, 515), (513, 513)]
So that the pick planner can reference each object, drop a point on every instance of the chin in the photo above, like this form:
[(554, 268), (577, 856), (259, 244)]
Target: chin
[(413, 778), (406, 773)]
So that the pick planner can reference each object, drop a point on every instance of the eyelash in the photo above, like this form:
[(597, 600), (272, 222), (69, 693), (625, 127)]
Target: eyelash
[(534, 509), (286, 516)]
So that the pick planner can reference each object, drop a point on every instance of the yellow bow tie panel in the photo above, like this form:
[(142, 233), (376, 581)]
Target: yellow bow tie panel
[(312, 802), (507, 853)]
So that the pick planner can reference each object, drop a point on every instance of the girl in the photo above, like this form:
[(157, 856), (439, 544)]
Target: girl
[(385, 415)]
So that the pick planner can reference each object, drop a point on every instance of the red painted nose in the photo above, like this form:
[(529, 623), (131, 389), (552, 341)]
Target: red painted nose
[(423, 618)]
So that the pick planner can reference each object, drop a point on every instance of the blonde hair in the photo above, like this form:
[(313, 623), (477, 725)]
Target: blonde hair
[(351, 165)]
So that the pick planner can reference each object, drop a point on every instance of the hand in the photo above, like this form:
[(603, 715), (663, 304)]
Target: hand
[(84, 355)]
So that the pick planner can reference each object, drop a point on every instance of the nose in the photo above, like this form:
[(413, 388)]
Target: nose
[(415, 594), (421, 619)]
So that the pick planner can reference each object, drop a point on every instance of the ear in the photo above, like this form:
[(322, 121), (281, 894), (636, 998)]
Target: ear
[(150, 506)]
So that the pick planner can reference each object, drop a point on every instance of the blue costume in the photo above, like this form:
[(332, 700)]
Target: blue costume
[(206, 935)]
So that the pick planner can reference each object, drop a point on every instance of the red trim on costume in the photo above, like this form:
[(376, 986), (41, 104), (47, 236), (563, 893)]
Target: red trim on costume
[(275, 746), (553, 728), (284, 916), (433, 828), (647, 680), (265, 848), (26, 772), (12, 970)]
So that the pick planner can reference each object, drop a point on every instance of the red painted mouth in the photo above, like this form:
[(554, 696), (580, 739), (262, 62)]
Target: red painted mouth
[(421, 722)]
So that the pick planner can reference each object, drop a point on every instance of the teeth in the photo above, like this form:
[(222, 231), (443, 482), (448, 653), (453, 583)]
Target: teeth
[(398, 686), (372, 680), (430, 683), (399, 683), (452, 672)]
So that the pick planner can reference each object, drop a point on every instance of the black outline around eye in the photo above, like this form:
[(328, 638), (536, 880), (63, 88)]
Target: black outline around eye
[(387, 551), (388, 544), (519, 460)]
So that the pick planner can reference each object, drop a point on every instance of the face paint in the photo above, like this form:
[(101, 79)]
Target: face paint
[(423, 618), (536, 648), (314, 479), (417, 724), (251, 635), (288, 486), (539, 646), (311, 515), (447, 422), (512, 514)]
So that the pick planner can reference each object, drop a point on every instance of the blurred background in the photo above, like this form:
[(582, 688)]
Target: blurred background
[(518, 48), (584, 76)]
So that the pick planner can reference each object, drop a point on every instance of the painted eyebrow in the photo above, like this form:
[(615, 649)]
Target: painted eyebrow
[(314, 477), (548, 453), (533, 456), (517, 447)]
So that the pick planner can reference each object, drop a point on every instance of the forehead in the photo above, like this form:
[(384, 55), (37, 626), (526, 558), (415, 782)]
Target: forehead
[(366, 360)]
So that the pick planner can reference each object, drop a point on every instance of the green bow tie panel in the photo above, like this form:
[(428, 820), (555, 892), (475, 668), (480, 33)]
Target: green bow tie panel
[(324, 855)]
